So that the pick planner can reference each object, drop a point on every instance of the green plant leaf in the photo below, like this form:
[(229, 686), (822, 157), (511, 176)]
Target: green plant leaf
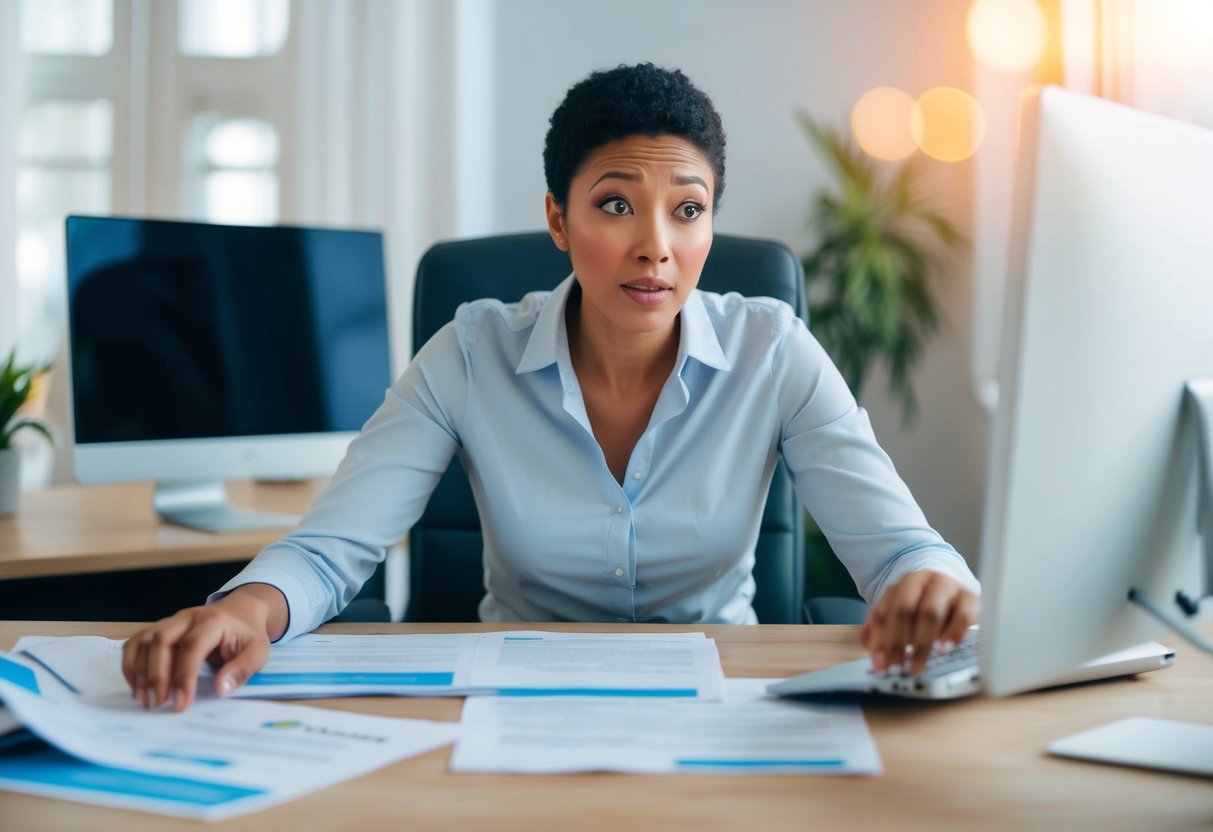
[(878, 245), (6, 437), (16, 385)]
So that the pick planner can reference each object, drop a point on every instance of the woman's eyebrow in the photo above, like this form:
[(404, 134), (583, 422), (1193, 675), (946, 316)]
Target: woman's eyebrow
[(689, 180), (616, 174)]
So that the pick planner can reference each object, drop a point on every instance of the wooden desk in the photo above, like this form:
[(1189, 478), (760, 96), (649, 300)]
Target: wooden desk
[(100, 551), (70, 530), (979, 764)]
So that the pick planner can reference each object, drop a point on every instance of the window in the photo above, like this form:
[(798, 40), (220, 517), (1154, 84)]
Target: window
[(232, 28), (233, 171), (114, 122), (64, 150), (67, 27)]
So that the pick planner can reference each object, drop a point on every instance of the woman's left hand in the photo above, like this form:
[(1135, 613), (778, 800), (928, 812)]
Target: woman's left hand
[(921, 610)]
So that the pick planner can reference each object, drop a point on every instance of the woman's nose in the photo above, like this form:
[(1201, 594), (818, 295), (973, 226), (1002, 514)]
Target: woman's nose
[(653, 241)]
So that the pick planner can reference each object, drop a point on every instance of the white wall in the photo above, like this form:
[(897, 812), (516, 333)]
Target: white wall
[(759, 61)]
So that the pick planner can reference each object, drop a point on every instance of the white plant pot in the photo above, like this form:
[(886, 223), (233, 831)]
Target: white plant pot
[(10, 480)]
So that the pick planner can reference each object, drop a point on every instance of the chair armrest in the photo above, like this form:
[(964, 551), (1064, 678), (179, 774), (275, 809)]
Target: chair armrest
[(364, 610), (831, 610)]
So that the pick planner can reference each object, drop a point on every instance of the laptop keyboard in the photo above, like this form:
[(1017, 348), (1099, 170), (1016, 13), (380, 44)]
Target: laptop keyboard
[(962, 656)]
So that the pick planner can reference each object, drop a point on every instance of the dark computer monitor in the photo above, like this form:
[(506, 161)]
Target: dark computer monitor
[(1098, 482), (203, 352)]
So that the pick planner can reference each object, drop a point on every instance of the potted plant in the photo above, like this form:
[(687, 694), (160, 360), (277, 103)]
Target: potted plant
[(878, 244), (16, 385)]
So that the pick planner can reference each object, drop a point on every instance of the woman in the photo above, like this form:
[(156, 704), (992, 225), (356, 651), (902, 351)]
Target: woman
[(619, 432)]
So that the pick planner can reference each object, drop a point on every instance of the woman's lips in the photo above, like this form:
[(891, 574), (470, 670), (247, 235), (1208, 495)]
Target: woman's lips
[(647, 294)]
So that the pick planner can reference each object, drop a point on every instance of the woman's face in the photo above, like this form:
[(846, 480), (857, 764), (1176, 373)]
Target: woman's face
[(637, 227)]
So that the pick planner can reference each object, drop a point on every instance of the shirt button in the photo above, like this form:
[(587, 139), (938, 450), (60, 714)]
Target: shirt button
[(619, 572), (636, 476), (619, 509)]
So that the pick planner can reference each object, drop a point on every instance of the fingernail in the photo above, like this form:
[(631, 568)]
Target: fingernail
[(225, 687), (948, 645), (178, 698)]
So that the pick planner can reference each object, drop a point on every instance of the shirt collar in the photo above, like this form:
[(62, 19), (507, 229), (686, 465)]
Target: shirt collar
[(698, 339), (548, 331)]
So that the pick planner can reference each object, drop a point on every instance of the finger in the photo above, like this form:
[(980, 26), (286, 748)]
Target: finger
[(130, 658), (202, 639), (878, 624), (250, 658), (898, 619), (161, 647), (964, 614), (134, 664), (934, 608), (870, 635)]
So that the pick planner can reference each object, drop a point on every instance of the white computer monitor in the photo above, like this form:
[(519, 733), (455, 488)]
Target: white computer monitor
[(202, 352), (1095, 475)]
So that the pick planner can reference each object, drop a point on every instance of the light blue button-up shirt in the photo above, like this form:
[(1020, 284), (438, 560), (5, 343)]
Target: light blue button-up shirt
[(563, 540)]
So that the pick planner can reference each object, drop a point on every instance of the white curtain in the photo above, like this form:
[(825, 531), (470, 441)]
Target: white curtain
[(1155, 55), (396, 113), (10, 106)]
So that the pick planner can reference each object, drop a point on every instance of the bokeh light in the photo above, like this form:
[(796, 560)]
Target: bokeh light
[(880, 122), (1007, 35), (947, 124)]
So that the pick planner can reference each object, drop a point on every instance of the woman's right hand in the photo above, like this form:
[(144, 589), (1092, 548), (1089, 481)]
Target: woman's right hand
[(161, 662)]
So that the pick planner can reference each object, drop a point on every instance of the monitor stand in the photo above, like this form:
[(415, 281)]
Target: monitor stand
[(1198, 395), (204, 506)]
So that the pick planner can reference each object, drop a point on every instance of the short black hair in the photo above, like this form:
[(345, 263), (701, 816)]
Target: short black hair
[(640, 100)]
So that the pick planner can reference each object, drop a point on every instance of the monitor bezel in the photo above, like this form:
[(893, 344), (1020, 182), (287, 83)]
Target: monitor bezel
[(1041, 615)]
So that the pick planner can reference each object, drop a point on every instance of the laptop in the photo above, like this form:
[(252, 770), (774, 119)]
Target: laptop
[(958, 673)]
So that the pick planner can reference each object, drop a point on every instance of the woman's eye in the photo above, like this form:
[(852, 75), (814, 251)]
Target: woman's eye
[(689, 210), (616, 206)]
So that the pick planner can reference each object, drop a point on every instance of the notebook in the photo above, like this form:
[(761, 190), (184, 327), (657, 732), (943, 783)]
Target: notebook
[(958, 673)]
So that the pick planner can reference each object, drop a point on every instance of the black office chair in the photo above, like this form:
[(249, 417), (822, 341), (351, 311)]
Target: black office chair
[(446, 577)]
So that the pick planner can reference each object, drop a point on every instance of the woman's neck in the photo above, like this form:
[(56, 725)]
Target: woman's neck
[(616, 361)]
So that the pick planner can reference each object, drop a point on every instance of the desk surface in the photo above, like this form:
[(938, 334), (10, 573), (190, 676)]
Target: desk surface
[(101, 528), (975, 764)]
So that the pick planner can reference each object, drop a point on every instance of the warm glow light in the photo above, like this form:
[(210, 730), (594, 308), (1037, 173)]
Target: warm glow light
[(880, 122), (1175, 38), (947, 124), (1007, 35)]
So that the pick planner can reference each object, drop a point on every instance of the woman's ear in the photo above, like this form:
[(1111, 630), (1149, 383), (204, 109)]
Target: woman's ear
[(556, 226)]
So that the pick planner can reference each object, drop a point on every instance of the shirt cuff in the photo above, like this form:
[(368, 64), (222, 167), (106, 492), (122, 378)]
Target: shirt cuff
[(299, 603), (945, 562)]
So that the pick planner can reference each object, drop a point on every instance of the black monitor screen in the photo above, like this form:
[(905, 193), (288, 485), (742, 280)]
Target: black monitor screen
[(184, 330)]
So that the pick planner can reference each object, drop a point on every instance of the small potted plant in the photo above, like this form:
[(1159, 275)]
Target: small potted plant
[(16, 385), (878, 244)]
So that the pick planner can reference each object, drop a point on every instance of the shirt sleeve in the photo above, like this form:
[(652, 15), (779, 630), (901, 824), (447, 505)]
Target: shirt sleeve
[(846, 480), (379, 490)]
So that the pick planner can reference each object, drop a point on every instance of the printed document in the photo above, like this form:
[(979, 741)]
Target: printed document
[(215, 761), (8, 722), (747, 732), (515, 663)]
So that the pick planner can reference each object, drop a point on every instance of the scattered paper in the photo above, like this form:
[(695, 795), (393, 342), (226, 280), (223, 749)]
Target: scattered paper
[(748, 732), (217, 760), (512, 663)]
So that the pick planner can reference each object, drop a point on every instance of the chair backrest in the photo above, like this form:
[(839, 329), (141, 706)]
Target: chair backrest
[(446, 576)]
